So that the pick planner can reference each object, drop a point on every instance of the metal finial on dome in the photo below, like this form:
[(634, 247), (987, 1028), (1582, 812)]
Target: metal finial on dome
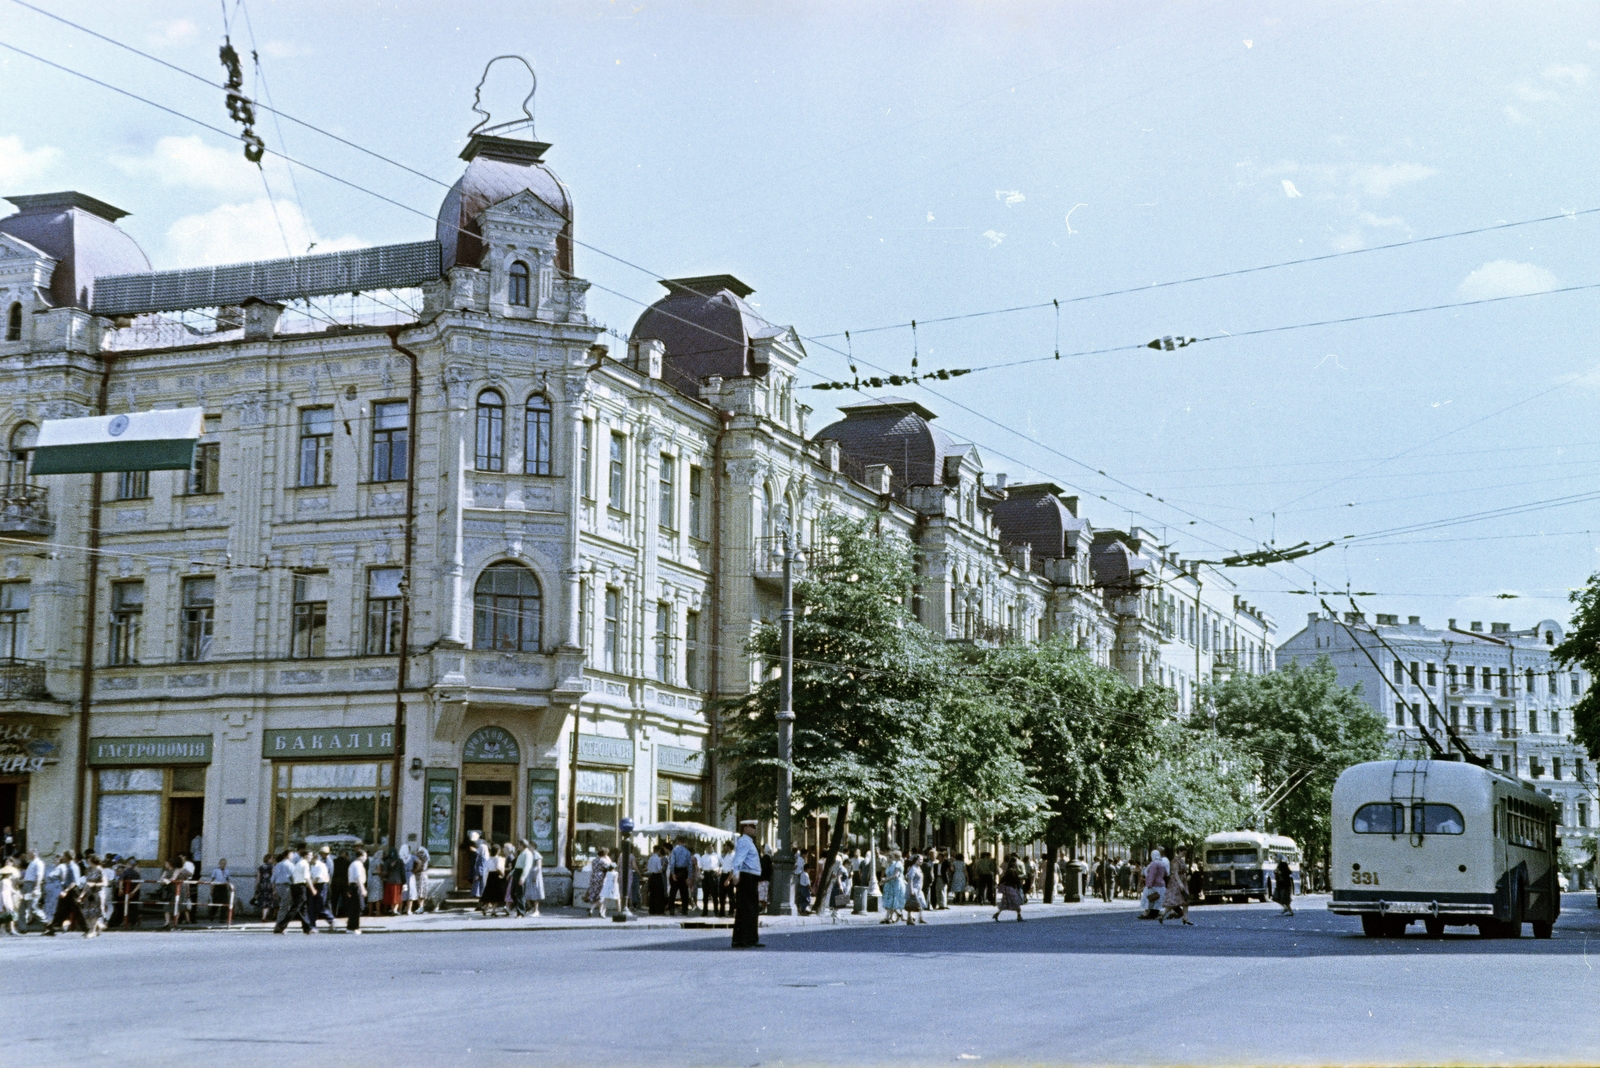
[(514, 124)]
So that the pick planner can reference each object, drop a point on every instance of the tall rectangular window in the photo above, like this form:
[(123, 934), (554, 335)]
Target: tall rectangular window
[(1416, 679), (391, 423), (608, 646), (1577, 686), (199, 608), (205, 475), (1555, 684), (586, 474), (383, 611), (490, 452), (310, 615), (697, 527), (668, 498), (1470, 670), (1555, 767), (127, 620), (691, 651), (1555, 722), (1505, 690), (618, 481), (1533, 721), (133, 485), (664, 642), (1450, 676), (1399, 713), (536, 436), (1433, 673), (316, 446), (1583, 813), (14, 620)]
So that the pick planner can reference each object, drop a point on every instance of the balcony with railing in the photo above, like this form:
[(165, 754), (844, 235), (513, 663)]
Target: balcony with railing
[(24, 510), (22, 680)]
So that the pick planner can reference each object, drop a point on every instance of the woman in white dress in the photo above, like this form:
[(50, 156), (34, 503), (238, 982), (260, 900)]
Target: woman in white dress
[(958, 880), (408, 889), (533, 883)]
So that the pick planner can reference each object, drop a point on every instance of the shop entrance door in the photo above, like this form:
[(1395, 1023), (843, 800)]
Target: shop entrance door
[(487, 804), (185, 818), (13, 809)]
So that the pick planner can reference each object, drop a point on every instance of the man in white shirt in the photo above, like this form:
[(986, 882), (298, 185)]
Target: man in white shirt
[(32, 887), (282, 897), (317, 891), (746, 893), (710, 876), (221, 887), (355, 891)]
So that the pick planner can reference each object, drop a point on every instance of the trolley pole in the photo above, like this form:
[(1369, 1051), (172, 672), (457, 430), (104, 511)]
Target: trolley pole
[(783, 862)]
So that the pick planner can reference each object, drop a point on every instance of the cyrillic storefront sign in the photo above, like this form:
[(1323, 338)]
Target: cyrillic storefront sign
[(134, 752), (327, 742), (675, 761), (593, 749), (491, 745)]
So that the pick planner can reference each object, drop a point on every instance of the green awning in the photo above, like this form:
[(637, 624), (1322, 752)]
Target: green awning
[(138, 441)]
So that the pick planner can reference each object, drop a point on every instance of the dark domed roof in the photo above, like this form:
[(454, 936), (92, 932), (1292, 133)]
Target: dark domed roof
[(499, 168), (707, 329), (1035, 515), (897, 432), (80, 232)]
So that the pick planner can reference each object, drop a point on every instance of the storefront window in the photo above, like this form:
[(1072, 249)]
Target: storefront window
[(149, 813), (600, 807), (332, 803), (678, 799), (129, 822)]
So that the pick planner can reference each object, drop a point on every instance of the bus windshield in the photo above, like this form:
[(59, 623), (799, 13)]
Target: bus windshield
[(1236, 855), (1380, 818)]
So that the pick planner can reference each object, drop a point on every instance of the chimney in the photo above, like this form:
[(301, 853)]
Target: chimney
[(1477, 627), (1000, 481), (646, 355), (830, 455), (1313, 617), (1072, 505), (1452, 624), (1500, 628), (260, 318), (1415, 621), (878, 478)]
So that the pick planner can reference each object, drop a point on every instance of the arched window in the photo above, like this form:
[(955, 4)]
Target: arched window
[(518, 289), (20, 453), (507, 609), (536, 446), (14, 322), (491, 432)]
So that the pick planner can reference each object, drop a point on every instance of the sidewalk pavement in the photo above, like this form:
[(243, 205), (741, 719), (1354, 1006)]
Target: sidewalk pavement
[(578, 919)]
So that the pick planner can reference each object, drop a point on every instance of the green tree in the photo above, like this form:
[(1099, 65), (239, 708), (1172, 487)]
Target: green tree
[(1199, 784), (1305, 729), (867, 685), (1087, 737), (1582, 648)]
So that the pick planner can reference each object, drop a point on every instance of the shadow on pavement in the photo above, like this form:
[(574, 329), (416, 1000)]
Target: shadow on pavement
[(1222, 931)]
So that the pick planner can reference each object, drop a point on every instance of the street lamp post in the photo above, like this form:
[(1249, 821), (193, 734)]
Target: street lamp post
[(783, 862), (625, 841)]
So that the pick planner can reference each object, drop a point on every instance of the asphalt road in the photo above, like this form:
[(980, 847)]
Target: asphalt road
[(1087, 987)]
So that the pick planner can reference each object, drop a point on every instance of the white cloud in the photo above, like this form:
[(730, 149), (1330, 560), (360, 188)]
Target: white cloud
[(1379, 180), (1515, 115), (1009, 196), (1529, 94), (1576, 73), (1506, 278), (236, 233), (192, 163), (280, 49), (994, 237), (1289, 190), (19, 166), (172, 32)]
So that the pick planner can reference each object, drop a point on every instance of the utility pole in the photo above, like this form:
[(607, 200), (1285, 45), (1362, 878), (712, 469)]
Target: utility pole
[(783, 863)]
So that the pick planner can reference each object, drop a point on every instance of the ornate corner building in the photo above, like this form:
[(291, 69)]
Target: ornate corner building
[(445, 562)]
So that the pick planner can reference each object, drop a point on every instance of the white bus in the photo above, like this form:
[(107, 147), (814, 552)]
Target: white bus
[(1444, 842), (1240, 864)]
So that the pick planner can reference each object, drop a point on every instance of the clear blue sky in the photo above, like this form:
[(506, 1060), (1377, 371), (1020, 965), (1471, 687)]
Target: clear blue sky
[(863, 165)]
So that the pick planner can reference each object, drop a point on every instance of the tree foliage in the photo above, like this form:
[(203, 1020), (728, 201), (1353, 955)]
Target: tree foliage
[(1086, 736), (1197, 785), (1305, 729), (1582, 648)]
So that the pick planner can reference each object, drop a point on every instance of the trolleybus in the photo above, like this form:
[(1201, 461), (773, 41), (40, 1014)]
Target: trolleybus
[(1444, 842), (1241, 864)]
